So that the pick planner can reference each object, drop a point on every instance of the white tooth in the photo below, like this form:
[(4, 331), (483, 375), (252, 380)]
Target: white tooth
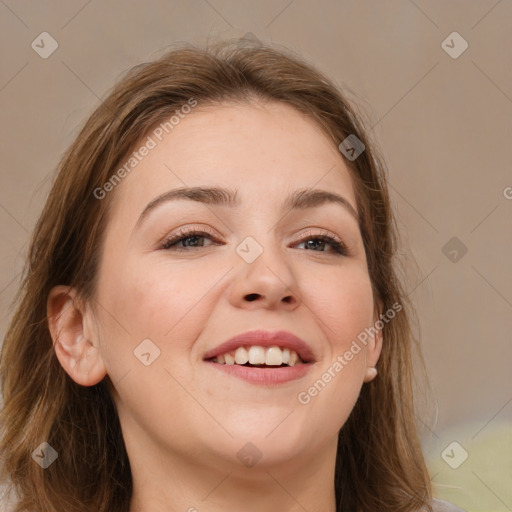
[(294, 358), (241, 355), (229, 359), (286, 355), (273, 356), (220, 359), (256, 355)]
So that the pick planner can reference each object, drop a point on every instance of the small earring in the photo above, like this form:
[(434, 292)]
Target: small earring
[(371, 372)]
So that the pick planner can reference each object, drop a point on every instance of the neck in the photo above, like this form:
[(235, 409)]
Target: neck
[(165, 482)]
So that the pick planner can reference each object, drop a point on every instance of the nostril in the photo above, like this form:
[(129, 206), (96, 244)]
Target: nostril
[(251, 297)]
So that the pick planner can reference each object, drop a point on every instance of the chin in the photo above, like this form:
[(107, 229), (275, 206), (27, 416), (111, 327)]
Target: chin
[(265, 443)]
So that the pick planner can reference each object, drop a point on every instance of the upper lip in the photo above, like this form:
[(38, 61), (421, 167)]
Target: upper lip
[(262, 338)]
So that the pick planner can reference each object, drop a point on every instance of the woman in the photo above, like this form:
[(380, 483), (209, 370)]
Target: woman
[(210, 317)]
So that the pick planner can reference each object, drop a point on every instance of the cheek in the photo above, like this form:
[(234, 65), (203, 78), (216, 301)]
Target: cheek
[(158, 303), (163, 303), (151, 296), (344, 306)]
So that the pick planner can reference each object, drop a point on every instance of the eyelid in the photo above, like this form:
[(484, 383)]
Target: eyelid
[(189, 231), (312, 232), (331, 237)]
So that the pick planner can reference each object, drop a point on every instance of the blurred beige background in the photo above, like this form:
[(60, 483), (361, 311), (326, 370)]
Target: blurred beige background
[(442, 115)]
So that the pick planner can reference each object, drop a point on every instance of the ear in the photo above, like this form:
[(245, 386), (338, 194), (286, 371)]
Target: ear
[(373, 351), (75, 343)]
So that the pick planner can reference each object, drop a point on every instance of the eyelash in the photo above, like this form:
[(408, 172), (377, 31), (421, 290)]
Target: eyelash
[(337, 245)]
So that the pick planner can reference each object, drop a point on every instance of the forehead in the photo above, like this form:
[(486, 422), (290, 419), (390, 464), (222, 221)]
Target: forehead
[(261, 150)]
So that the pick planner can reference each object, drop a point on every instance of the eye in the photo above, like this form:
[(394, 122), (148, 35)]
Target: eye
[(190, 238), (319, 241)]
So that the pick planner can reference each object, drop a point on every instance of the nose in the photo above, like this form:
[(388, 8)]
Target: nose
[(268, 282)]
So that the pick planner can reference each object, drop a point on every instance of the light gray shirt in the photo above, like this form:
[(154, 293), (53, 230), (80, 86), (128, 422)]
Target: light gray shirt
[(444, 506)]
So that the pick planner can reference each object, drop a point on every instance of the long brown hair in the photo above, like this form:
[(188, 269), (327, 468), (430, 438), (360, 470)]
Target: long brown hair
[(379, 464)]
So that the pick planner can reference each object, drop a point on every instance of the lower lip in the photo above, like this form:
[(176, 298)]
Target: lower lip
[(264, 376)]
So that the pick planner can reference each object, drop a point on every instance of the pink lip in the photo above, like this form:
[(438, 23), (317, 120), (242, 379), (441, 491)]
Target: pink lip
[(264, 376), (265, 339)]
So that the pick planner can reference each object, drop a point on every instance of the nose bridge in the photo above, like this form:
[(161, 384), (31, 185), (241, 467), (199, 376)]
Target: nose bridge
[(264, 273)]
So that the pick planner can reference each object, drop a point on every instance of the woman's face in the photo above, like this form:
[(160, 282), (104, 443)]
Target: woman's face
[(261, 264)]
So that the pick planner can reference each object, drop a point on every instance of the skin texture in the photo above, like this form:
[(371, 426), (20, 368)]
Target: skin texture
[(183, 420)]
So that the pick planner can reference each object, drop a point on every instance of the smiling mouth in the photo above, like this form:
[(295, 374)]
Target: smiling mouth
[(249, 365), (256, 356)]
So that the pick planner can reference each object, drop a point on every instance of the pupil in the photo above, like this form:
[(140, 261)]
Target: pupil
[(313, 243), (195, 238)]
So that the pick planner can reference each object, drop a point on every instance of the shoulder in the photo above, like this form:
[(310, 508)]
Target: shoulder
[(444, 506)]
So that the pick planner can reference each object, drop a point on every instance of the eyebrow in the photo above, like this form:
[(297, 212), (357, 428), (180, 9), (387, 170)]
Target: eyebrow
[(301, 199)]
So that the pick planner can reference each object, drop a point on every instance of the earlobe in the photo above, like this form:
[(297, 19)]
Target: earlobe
[(374, 350), (371, 373), (75, 345)]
